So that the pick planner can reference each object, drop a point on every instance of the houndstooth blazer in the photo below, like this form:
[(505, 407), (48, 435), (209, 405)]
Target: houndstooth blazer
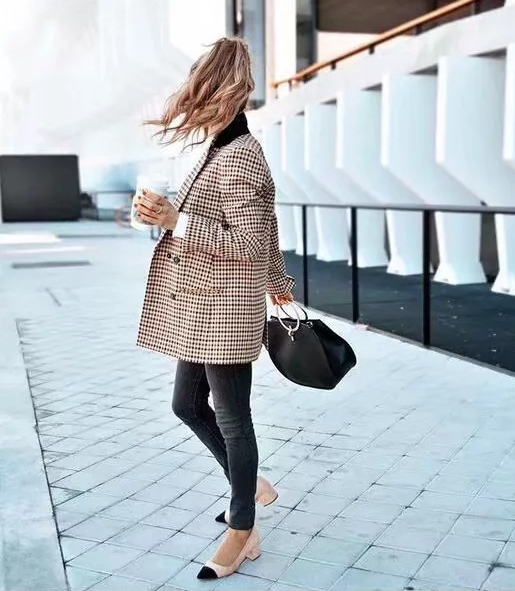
[(205, 298)]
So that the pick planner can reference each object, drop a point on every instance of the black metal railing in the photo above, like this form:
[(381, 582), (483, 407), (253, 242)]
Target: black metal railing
[(427, 213)]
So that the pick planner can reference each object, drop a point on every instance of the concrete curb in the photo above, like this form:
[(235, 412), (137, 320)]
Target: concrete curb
[(30, 556)]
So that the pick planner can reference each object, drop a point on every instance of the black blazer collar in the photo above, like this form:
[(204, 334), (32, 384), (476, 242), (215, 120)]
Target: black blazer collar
[(237, 127)]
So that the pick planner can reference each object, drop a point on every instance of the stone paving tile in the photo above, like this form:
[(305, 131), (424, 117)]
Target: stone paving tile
[(285, 542), (508, 554), (470, 548), (204, 526), (410, 538), (302, 522), (311, 574), (494, 508), (67, 519), (390, 495), (361, 580), (170, 517), (120, 487), (96, 528), (194, 501), (130, 510), (72, 547), (378, 512), (183, 545), (76, 461), (272, 516), (80, 579), (142, 536), (495, 529), (106, 558), (391, 561), (60, 495), (501, 579), (427, 519), (444, 570), (498, 490), (455, 503), (421, 585), (181, 478), (159, 494), (158, 568), (353, 529), (323, 504), (88, 503), (269, 566), (117, 583), (329, 550)]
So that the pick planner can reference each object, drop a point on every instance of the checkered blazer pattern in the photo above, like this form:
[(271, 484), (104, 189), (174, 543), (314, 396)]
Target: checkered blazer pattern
[(205, 298)]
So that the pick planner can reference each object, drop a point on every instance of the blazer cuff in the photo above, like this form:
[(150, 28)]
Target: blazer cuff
[(281, 286), (180, 228)]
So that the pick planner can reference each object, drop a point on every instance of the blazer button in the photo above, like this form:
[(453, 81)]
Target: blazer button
[(176, 260), (173, 296)]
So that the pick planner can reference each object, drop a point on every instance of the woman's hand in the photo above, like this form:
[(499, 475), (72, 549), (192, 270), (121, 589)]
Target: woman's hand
[(282, 300), (156, 210)]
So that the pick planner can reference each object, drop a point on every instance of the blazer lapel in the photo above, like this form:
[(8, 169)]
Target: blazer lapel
[(190, 179), (187, 184)]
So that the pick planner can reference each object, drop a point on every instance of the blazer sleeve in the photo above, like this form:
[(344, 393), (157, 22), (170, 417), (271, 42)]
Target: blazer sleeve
[(243, 180), (278, 282)]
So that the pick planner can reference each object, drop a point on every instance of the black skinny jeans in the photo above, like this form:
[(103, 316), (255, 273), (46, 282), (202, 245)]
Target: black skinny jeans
[(227, 432)]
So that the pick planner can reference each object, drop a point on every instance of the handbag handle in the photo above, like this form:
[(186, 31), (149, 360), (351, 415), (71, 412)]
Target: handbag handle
[(291, 331), (296, 307)]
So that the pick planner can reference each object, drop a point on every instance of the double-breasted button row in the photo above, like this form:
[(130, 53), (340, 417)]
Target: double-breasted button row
[(176, 259)]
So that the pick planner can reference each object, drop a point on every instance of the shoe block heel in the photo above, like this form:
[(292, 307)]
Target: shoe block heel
[(253, 553)]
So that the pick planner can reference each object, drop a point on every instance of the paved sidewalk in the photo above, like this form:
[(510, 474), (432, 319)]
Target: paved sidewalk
[(403, 477)]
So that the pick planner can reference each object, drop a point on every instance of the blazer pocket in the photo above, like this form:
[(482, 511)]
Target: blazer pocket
[(196, 273)]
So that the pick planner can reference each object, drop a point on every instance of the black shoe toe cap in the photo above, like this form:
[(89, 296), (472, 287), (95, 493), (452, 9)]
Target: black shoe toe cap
[(206, 573)]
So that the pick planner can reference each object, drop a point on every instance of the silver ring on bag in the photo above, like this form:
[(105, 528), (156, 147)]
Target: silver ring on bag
[(291, 331)]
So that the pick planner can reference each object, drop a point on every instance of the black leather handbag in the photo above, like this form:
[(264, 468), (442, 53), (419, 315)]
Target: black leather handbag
[(307, 351)]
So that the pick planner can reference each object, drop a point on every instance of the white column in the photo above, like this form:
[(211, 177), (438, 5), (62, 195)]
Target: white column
[(330, 224), (509, 118), (289, 217), (358, 153), (409, 153), (470, 127), (320, 154)]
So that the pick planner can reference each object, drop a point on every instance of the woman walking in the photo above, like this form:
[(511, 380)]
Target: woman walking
[(216, 259)]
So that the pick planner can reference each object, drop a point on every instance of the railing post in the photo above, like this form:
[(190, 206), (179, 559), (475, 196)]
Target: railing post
[(372, 49), (426, 279), (355, 268), (305, 281)]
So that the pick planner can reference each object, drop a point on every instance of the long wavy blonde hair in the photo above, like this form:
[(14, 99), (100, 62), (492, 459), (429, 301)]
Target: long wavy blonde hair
[(216, 90)]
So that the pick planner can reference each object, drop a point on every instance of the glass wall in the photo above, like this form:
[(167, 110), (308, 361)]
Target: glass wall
[(306, 33), (246, 18)]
